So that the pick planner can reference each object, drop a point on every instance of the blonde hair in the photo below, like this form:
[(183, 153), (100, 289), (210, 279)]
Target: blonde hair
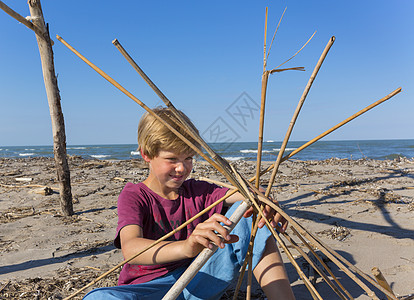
[(154, 136)]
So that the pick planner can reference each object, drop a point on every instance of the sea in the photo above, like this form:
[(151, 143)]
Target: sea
[(321, 150)]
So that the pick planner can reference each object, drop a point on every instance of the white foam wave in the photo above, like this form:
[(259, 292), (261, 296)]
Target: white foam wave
[(254, 151), (287, 149), (99, 156), (26, 154), (29, 149), (135, 153), (77, 148), (233, 158), (270, 141)]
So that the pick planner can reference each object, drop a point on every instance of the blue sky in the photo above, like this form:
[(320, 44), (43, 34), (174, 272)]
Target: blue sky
[(204, 56)]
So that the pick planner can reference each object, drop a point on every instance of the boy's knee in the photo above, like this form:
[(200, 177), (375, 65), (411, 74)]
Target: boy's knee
[(98, 294)]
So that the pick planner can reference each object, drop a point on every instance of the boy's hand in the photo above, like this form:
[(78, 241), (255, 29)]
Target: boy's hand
[(205, 234), (275, 219)]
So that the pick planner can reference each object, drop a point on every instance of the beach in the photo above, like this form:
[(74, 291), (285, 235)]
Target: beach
[(363, 209)]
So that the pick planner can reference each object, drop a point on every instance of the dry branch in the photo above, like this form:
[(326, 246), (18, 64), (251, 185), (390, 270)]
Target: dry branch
[(56, 114), (23, 20)]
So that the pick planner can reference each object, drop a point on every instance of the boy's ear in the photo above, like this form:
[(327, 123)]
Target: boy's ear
[(144, 156)]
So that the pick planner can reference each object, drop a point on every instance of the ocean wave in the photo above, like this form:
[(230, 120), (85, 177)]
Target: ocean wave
[(26, 154), (287, 149), (233, 158), (254, 151), (29, 149), (77, 148), (135, 153), (99, 156)]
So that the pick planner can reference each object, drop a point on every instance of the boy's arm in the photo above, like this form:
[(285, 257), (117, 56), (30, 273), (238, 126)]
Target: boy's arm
[(132, 241), (233, 198)]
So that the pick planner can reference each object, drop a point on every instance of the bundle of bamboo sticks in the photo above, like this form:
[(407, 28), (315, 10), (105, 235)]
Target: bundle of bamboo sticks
[(251, 192)]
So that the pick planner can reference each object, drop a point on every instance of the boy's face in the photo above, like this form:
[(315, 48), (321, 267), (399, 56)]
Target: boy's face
[(169, 170)]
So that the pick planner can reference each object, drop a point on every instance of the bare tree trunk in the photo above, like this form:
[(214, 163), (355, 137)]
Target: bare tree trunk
[(56, 115)]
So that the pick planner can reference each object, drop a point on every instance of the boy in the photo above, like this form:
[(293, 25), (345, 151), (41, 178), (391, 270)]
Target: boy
[(165, 200)]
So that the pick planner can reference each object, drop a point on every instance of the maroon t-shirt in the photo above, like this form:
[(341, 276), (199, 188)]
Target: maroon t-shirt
[(157, 216)]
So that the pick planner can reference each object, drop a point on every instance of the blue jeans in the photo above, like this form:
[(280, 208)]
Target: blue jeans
[(210, 282)]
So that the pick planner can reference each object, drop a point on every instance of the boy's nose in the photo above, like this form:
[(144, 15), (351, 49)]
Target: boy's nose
[(180, 167)]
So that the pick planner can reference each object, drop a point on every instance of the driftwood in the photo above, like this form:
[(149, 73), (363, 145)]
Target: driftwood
[(58, 126), (56, 115)]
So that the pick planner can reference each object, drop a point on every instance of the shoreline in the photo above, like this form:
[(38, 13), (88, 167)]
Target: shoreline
[(371, 201), (320, 150)]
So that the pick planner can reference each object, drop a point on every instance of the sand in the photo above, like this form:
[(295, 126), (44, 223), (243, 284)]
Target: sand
[(363, 209)]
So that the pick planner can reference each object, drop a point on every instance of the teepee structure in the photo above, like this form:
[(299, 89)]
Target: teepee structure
[(297, 237)]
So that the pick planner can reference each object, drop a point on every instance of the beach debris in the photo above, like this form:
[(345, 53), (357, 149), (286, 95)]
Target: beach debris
[(66, 281), (336, 232), (16, 213), (45, 191), (24, 179), (120, 179)]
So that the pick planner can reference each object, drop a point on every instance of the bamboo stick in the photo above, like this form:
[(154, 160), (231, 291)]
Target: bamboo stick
[(381, 280), (321, 261), (219, 162), (249, 259), (265, 77), (296, 113), (264, 42), (362, 111), (315, 266), (229, 186)]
